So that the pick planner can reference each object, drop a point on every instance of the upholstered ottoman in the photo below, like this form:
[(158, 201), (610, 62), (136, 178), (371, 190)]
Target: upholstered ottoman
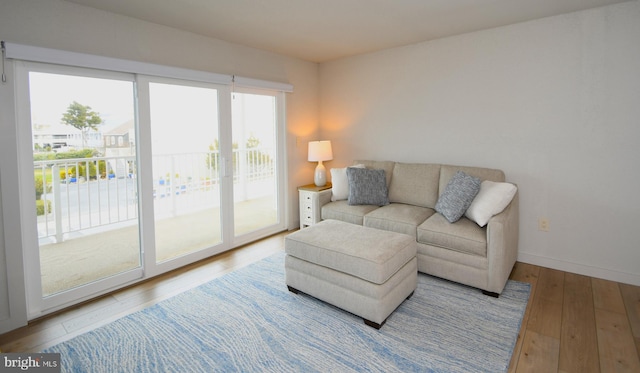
[(365, 271)]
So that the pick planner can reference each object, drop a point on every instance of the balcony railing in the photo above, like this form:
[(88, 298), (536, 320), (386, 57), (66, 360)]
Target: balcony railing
[(89, 193)]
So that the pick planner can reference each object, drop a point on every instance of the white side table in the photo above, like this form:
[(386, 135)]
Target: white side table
[(312, 198)]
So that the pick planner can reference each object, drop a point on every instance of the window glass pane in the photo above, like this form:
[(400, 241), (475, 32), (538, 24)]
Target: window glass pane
[(186, 165), (254, 158), (86, 190)]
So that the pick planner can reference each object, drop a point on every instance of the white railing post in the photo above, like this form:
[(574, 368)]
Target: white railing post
[(57, 206), (249, 167), (242, 174)]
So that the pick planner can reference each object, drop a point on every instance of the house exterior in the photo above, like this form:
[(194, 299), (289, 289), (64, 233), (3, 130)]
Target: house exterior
[(62, 136), (120, 142)]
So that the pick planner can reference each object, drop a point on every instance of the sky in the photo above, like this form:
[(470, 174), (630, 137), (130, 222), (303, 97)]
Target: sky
[(183, 118), (51, 94)]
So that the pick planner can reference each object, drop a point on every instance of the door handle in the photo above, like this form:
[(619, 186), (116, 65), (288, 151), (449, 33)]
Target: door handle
[(227, 168)]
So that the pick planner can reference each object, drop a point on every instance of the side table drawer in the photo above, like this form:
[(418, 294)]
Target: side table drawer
[(307, 216), (310, 207)]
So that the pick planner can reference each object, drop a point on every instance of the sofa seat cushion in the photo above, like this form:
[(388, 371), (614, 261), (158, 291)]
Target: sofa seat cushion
[(398, 217), (370, 254), (464, 235), (341, 210)]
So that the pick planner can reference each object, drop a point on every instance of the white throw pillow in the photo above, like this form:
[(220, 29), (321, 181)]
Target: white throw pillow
[(492, 198), (340, 183)]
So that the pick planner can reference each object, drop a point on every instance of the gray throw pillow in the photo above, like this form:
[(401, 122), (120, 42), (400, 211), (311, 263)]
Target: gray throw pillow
[(367, 187), (457, 196)]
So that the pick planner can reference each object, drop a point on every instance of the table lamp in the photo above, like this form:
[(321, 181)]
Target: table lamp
[(320, 151)]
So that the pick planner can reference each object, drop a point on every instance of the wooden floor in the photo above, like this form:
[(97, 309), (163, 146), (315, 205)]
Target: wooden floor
[(572, 323), (576, 323)]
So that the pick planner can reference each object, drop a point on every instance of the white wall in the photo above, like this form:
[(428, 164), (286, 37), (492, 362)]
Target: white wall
[(67, 26), (554, 102)]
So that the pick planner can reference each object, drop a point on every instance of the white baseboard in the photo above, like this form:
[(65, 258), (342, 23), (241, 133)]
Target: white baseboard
[(581, 269)]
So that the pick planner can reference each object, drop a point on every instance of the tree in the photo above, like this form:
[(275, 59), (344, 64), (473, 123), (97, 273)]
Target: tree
[(253, 142), (83, 118)]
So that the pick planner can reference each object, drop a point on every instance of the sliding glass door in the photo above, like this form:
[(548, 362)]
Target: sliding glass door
[(186, 168), (137, 175), (256, 182), (83, 171)]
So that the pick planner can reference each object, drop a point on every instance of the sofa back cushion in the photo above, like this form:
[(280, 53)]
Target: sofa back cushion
[(415, 184), (387, 166), (447, 172)]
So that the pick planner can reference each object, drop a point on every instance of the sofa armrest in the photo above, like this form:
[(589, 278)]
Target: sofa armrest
[(502, 244), (325, 198)]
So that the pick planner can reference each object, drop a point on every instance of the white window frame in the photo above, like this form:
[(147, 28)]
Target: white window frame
[(37, 305), (152, 268), (25, 57), (281, 147)]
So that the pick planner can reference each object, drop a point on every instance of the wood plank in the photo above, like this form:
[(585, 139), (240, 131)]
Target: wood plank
[(539, 354), (551, 284), (631, 298), (48, 327), (546, 311), (26, 341), (607, 296), (615, 342), (578, 340), (525, 272), (546, 317)]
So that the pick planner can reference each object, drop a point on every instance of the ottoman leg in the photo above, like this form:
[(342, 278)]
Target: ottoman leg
[(374, 325), (293, 290), (490, 294), (410, 295)]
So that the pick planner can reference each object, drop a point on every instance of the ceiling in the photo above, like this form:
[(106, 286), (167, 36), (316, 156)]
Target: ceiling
[(323, 30)]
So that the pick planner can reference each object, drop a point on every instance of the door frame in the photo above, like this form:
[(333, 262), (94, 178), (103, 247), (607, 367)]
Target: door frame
[(281, 175), (152, 268), (36, 304)]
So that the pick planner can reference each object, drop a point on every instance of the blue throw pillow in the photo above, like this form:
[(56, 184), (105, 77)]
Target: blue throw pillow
[(457, 196), (367, 187)]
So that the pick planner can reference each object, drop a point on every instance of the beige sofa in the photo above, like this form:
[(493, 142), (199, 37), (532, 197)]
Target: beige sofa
[(463, 251)]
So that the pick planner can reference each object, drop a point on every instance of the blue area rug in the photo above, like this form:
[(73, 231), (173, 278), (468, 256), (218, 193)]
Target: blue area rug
[(247, 321)]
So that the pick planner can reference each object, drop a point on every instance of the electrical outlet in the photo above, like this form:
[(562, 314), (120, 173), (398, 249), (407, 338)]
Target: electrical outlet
[(543, 224)]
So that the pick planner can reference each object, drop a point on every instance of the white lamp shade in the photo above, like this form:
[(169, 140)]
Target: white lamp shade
[(320, 151)]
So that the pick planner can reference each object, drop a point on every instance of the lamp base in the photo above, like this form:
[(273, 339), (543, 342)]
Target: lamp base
[(320, 176)]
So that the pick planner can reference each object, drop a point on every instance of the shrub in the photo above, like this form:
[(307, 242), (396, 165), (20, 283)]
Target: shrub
[(40, 207), (80, 170), (39, 186), (44, 156), (102, 167), (85, 153), (71, 171)]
